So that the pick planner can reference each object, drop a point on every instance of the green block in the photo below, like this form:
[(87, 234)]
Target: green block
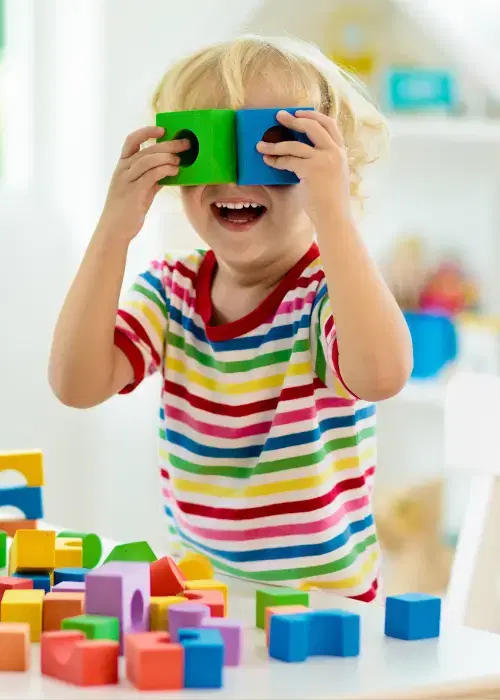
[(94, 626), (132, 551), (271, 597), (3, 549), (91, 547), (212, 158)]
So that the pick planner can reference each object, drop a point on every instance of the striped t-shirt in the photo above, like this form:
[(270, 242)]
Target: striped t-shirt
[(266, 457)]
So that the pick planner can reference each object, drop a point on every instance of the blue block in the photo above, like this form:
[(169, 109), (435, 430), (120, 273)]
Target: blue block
[(26, 498), (334, 633), (412, 616), (41, 582), (251, 125), (289, 637), (69, 574), (203, 657)]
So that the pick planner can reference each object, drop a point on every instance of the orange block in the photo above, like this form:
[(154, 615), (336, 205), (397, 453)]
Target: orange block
[(166, 577), (214, 600), (15, 653), (153, 662), (281, 610), (70, 657), (12, 526), (58, 606)]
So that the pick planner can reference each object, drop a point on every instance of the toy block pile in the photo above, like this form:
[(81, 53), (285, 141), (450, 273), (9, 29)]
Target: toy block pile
[(27, 498), (167, 620)]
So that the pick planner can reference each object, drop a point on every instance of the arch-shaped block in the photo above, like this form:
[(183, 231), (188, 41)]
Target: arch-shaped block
[(29, 464), (27, 498), (69, 657), (153, 662)]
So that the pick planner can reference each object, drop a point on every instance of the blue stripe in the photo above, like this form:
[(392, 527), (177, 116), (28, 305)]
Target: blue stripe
[(293, 552), (156, 284), (320, 294), (235, 453)]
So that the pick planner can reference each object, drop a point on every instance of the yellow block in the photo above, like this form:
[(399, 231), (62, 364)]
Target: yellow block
[(33, 550), (24, 606), (196, 566), (158, 619), (208, 585), (29, 464), (69, 552)]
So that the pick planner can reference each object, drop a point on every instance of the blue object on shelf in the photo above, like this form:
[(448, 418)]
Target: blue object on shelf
[(435, 343), (420, 90), (412, 616)]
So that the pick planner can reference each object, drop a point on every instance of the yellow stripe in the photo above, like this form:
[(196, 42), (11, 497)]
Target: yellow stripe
[(214, 385), (146, 311), (300, 484), (351, 582)]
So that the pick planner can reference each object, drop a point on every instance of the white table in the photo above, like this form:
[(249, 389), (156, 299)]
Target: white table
[(462, 663)]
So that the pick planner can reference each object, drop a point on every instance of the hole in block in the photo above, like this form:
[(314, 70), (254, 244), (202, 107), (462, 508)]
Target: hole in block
[(12, 477), (189, 634), (278, 133), (137, 610), (190, 156), (11, 512)]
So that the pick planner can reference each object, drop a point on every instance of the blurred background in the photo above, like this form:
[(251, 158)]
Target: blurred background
[(77, 76)]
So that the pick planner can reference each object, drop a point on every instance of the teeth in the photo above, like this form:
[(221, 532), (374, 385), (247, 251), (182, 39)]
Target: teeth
[(237, 205)]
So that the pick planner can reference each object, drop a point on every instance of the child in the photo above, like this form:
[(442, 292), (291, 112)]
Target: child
[(272, 347)]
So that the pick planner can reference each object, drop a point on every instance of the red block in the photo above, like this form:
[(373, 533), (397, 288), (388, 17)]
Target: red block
[(8, 583), (70, 657), (153, 662), (213, 599), (166, 577)]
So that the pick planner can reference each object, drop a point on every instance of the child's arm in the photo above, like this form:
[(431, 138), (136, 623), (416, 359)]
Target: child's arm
[(86, 367)]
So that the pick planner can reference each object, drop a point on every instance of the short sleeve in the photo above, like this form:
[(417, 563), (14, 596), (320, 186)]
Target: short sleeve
[(141, 324), (324, 346)]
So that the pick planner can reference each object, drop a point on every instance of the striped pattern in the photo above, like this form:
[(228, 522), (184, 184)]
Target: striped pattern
[(267, 459)]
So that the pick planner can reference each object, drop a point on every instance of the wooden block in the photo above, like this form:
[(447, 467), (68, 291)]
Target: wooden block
[(12, 526), (209, 585), (3, 549), (32, 550), (9, 583), (212, 599), (196, 567), (281, 610), (91, 544), (94, 626), (15, 652), (69, 553), (69, 657), (153, 662), (29, 464), (166, 578), (58, 606), (24, 606), (158, 611)]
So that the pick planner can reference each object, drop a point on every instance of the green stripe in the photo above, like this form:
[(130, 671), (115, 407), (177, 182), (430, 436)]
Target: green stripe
[(320, 361), (277, 465), (230, 367), (172, 530), (152, 296), (294, 574)]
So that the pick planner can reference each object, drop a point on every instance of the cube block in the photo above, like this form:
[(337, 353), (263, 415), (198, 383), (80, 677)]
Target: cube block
[(69, 657), (412, 616), (196, 567), (69, 552), (281, 610), (158, 611), (15, 651), (32, 550), (288, 638), (181, 615), (232, 636), (24, 606), (9, 583), (59, 606), (91, 546), (203, 657), (94, 626), (273, 597), (153, 662)]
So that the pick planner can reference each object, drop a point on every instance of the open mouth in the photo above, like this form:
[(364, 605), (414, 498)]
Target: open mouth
[(236, 215)]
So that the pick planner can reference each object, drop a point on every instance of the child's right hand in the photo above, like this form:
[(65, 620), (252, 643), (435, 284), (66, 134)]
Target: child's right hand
[(134, 184)]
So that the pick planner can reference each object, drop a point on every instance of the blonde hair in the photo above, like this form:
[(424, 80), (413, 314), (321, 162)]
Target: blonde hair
[(218, 76)]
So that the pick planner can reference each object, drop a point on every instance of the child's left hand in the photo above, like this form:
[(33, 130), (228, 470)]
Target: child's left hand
[(323, 168)]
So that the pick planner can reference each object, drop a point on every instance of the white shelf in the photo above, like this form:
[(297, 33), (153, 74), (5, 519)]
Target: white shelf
[(426, 392), (454, 129)]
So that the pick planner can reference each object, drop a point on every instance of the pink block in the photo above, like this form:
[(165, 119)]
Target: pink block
[(69, 587), (231, 633), (120, 589), (185, 615)]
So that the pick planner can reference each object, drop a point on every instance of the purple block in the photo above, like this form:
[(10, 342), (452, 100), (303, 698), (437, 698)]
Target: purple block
[(232, 636), (185, 615), (69, 587), (120, 589)]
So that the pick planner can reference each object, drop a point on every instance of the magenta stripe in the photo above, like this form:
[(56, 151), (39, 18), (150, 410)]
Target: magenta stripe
[(221, 431), (296, 304), (181, 293), (258, 533)]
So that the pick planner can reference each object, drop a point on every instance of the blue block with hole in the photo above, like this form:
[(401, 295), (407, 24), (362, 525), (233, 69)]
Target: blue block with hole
[(252, 126), (412, 616), (69, 574), (334, 633), (41, 581), (27, 498), (203, 657), (289, 637)]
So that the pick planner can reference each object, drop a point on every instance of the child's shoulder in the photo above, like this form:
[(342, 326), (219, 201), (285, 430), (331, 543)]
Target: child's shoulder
[(179, 264)]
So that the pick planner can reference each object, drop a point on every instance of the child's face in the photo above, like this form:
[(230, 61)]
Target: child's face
[(265, 220)]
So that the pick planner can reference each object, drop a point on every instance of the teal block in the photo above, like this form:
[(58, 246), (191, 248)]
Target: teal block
[(3, 549), (212, 158)]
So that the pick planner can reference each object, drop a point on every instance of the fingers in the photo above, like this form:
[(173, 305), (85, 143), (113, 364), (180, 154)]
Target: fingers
[(136, 138), (149, 162), (328, 123), (316, 133), (284, 163), (153, 176), (286, 148)]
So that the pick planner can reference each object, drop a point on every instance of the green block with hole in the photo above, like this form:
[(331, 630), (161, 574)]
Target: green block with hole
[(94, 626), (91, 547), (3, 549), (132, 551), (272, 597), (212, 158)]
